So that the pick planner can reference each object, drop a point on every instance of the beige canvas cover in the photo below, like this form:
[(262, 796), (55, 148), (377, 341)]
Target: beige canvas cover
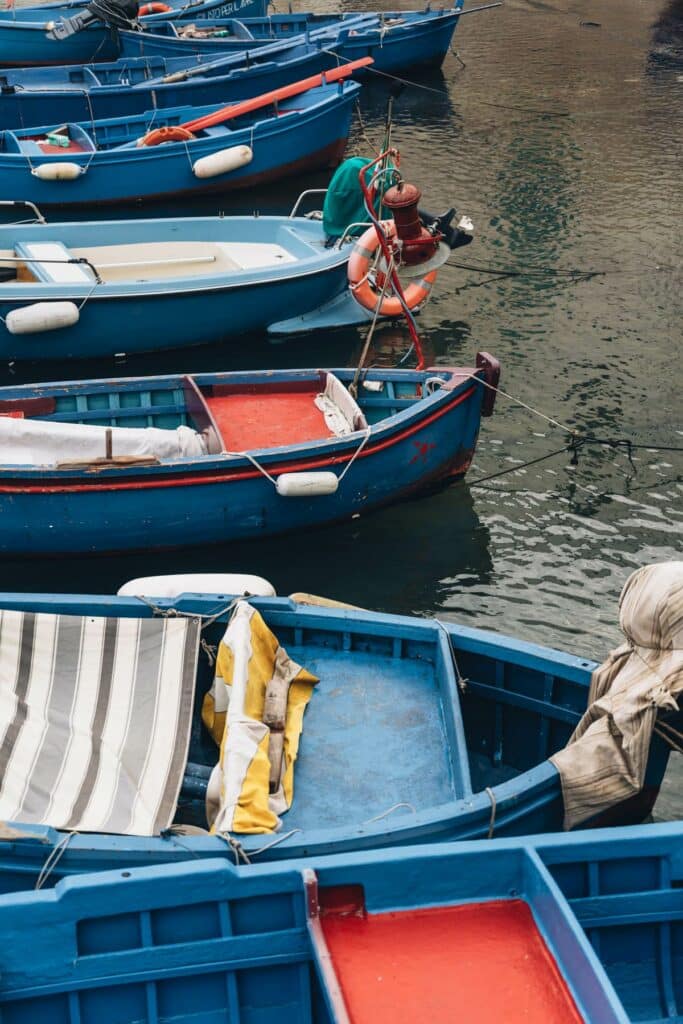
[(606, 757)]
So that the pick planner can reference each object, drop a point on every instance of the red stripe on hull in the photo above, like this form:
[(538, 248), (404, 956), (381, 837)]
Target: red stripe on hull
[(247, 474)]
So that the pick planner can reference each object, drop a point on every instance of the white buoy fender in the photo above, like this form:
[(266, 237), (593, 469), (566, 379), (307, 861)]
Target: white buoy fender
[(42, 316), (227, 583), (306, 485), (57, 171), (222, 162)]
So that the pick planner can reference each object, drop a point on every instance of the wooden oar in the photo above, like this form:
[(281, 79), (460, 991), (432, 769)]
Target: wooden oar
[(284, 93)]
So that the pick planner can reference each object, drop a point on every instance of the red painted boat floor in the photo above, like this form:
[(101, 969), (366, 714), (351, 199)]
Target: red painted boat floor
[(478, 963), (48, 147), (269, 420)]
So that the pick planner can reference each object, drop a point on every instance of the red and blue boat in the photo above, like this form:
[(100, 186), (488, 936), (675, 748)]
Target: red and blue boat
[(553, 929)]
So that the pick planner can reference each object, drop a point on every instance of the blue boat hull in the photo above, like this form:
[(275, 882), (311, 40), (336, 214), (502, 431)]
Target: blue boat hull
[(551, 928), (24, 41), (22, 108), (312, 138), (520, 704), (206, 504)]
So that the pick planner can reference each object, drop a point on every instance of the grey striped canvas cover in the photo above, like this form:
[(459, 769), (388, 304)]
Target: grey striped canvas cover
[(95, 718)]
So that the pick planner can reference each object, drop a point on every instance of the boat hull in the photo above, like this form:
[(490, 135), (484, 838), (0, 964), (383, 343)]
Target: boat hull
[(549, 929), (525, 717), (309, 140), (24, 40), (206, 506)]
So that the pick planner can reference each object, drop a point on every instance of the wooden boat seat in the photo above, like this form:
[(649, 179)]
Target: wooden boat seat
[(49, 262), (472, 962)]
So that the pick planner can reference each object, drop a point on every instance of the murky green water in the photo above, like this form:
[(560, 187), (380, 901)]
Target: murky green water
[(563, 142)]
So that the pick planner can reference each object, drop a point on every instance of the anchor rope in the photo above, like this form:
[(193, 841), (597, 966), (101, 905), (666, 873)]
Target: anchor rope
[(53, 859)]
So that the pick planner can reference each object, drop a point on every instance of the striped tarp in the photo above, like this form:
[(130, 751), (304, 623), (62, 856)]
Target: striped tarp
[(95, 718), (606, 757)]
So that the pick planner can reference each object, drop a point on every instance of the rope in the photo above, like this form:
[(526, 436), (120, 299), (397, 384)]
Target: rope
[(207, 620), (492, 823), (390, 810), (353, 387), (241, 854), (462, 682), (53, 859)]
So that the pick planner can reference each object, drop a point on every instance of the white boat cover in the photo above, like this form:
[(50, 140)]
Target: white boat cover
[(95, 719), (606, 757), (28, 442)]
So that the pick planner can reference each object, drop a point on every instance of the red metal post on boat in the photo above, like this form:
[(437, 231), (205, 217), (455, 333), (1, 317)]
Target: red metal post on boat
[(387, 251)]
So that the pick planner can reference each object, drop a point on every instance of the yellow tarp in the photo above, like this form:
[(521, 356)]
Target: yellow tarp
[(250, 661)]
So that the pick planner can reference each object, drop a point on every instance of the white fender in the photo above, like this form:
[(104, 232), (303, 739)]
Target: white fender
[(222, 162), (42, 316), (66, 171), (227, 583), (306, 485)]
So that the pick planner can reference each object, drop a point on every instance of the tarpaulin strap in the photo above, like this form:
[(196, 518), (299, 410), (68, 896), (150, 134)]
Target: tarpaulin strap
[(274, 716)]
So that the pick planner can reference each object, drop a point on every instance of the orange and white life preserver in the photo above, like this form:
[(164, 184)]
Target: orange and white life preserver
[(172, 134), (362, 255), (154, 8)]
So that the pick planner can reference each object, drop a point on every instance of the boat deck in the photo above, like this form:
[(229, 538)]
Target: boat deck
[(477, 962), (293, 418)]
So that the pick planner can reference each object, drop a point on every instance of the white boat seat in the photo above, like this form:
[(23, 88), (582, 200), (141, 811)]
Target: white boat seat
[(49, 262)]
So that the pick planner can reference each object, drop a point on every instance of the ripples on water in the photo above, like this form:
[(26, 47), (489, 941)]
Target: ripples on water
[(562, 142)]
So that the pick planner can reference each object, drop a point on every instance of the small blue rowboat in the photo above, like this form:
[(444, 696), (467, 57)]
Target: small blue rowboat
[(580, 929), (403, 437), (117, 160), (397, 40), (417, 731), (173, 283), (138, 85), (25, 37)]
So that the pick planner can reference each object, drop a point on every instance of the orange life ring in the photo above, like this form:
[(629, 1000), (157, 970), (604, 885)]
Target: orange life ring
[(171, 134), (155, 8), (415, 294)]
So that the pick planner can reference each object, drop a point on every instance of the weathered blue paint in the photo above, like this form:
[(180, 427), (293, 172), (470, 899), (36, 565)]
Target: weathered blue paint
[(519, 704), (24, 39), (172, 312), (209, 941), (114, 169), (414, 442), (284, 49)]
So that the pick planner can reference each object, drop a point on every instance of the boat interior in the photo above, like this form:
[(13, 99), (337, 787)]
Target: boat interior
[(126, 132), (224, 417), (392, 727)]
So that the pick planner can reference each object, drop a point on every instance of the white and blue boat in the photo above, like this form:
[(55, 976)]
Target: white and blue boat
[(114, 160)]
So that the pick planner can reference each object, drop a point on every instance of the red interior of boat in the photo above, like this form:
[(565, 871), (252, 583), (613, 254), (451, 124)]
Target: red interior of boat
[(478, 963), (49, 147), (270, 419)]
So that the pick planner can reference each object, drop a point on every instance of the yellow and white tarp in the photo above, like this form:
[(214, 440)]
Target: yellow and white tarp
[(254, 711)]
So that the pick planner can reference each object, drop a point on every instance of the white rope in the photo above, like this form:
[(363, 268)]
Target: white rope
[(53, 859), (390, 810)]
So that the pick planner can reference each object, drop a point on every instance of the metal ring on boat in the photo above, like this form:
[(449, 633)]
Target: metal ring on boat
[(416, 293)]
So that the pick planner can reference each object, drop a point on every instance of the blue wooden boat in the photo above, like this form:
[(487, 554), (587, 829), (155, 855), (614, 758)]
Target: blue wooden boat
[(119, 88), (77, 164), (418, 731), (397, 40), (415, 437), (153, 285), (581, 929), (25, 38)]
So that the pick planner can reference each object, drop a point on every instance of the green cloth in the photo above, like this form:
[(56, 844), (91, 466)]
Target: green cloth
[(344, 200)]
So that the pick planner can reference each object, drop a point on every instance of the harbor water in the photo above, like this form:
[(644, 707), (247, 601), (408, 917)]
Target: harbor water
[(557, 128)]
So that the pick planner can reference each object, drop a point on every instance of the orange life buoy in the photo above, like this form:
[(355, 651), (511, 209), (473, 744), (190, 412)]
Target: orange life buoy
[(415, 294), (171, 134), (155, 8)]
